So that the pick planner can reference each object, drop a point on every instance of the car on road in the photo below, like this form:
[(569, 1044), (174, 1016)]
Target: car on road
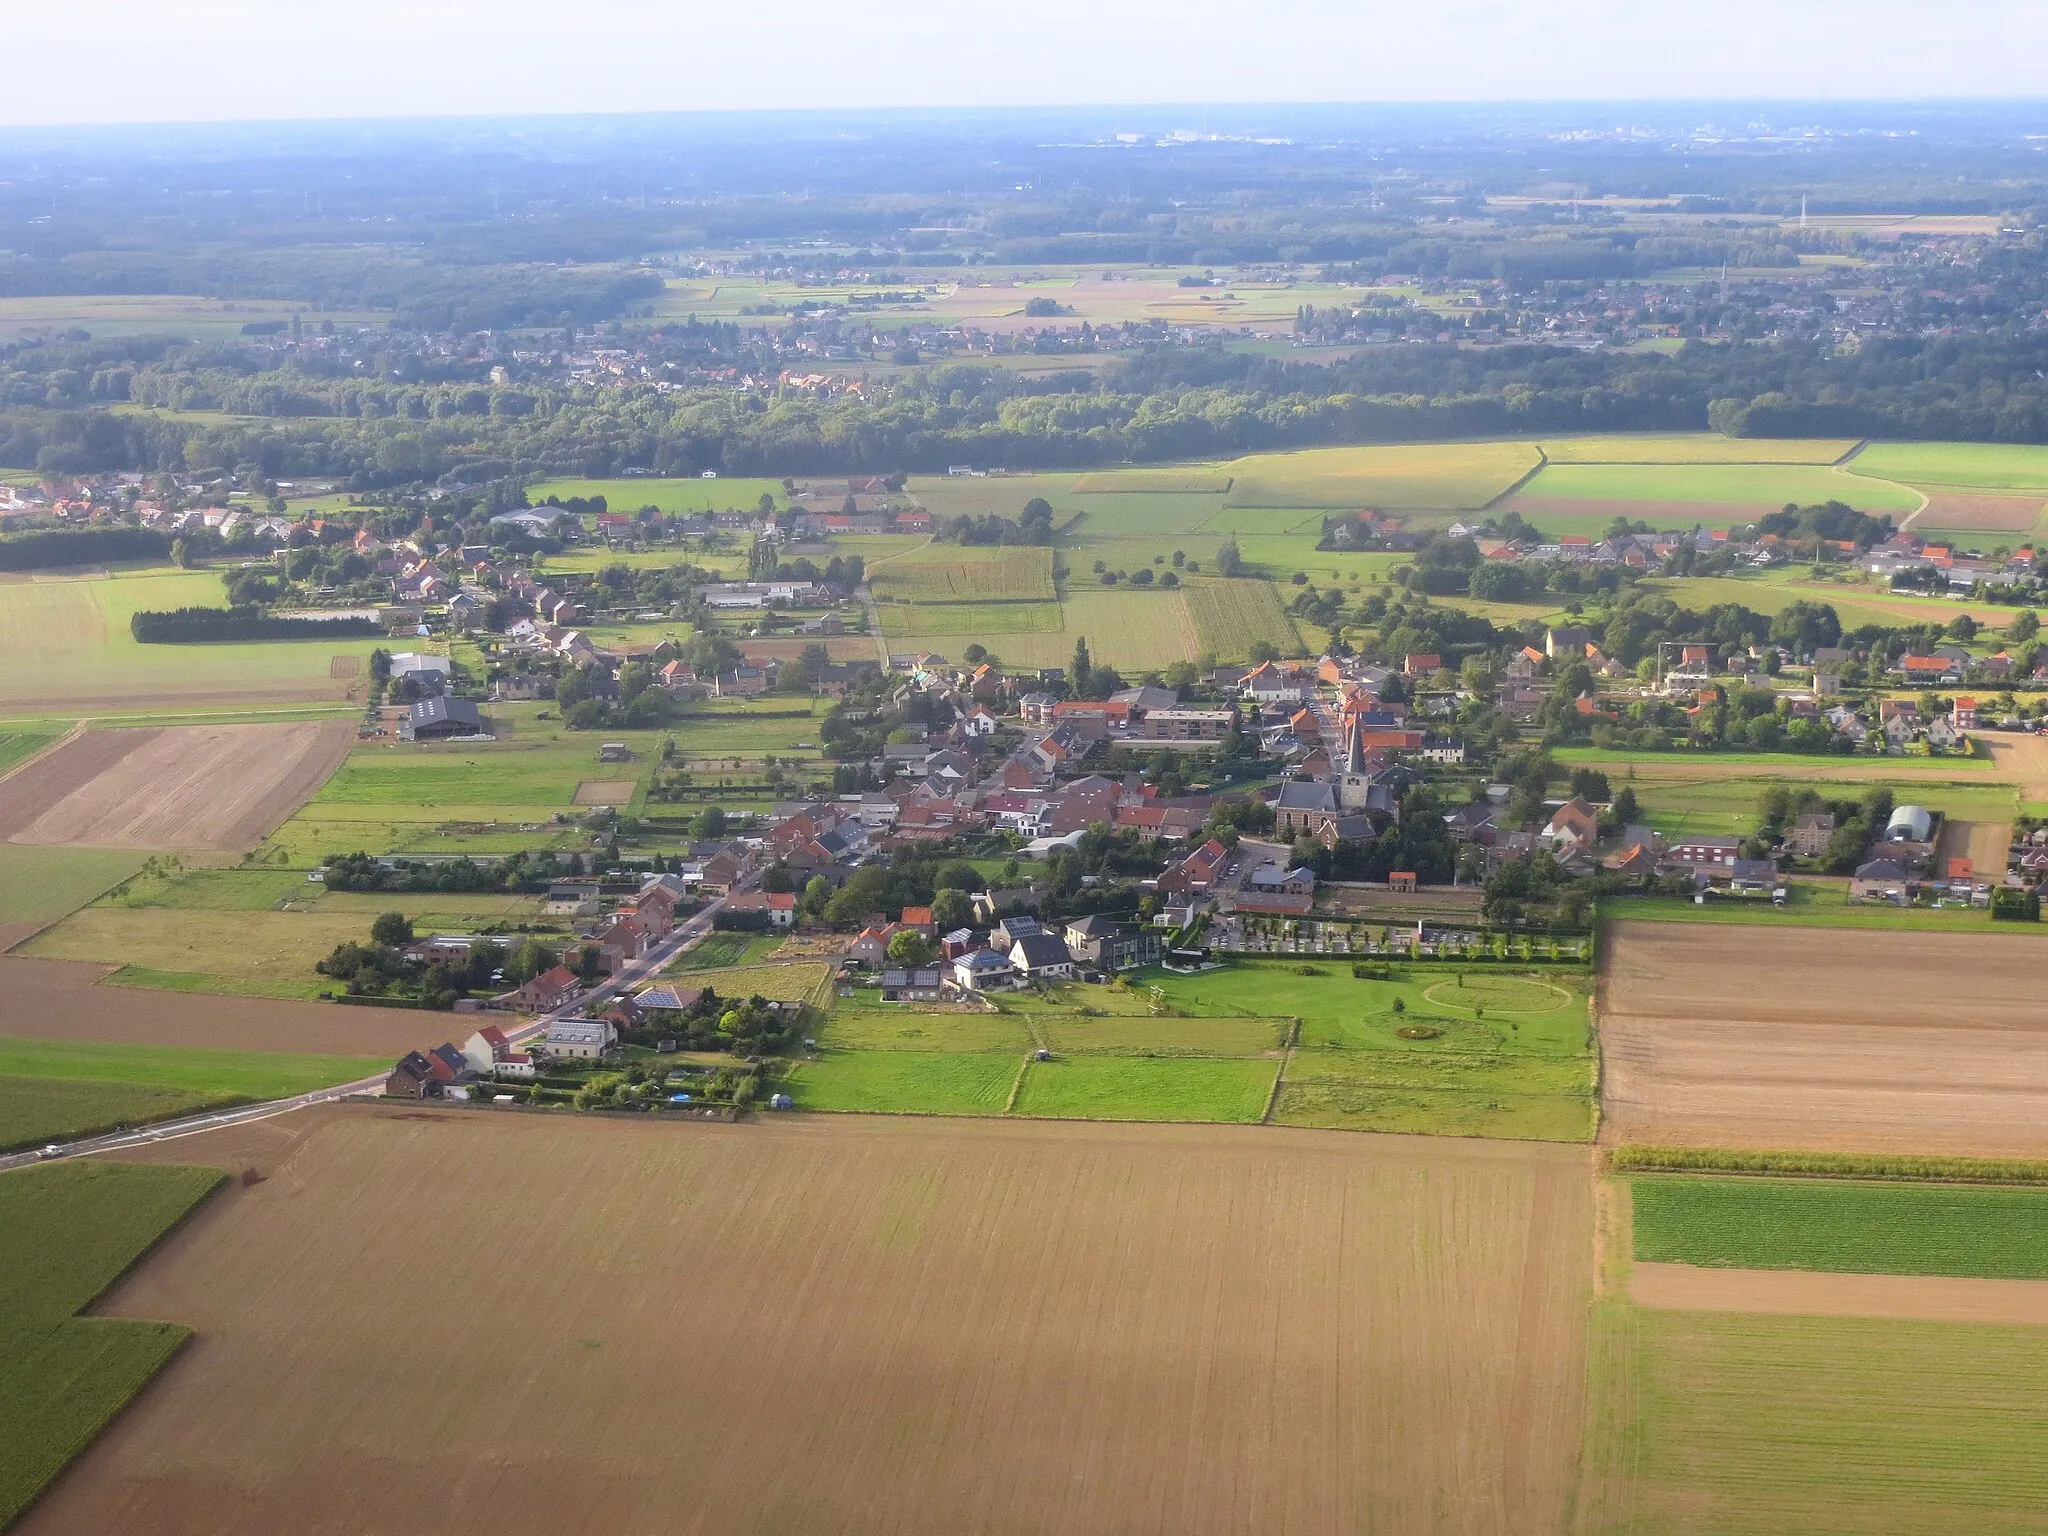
[(52, 1150)]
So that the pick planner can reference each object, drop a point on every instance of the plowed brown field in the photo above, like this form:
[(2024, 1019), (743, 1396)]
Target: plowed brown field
[(1802, 1293), (57, 1000), (431, 1321), (1823, 1038), (207, 787)]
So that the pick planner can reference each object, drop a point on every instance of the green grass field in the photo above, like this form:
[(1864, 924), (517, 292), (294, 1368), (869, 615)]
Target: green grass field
[(1183, 480), (1815, 904), (905, 1082), (1137, 514), (949, 573), (66, 1235), (862, 1026), (18, 746), (1393, 477), (1766, 487), (1693, 448), (40, 885), (912, 620), (68, 643), (1131, 1088), (1724, 1424), (1968, 466), (1771, 592), (1836, 1225), (62, 1088), (717, 950)]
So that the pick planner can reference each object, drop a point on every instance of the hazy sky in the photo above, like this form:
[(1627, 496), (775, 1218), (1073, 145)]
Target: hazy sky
[(163, 60)]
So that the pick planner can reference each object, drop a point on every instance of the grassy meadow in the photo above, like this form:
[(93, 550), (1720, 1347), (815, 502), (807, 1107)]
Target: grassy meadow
[(67, 637), (1764, 487), (1504, 1055)]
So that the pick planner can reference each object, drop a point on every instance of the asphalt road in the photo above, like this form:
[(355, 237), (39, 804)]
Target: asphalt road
[(647, 966)]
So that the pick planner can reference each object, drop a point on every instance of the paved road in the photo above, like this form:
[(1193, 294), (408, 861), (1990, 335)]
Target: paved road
[(645, 967)]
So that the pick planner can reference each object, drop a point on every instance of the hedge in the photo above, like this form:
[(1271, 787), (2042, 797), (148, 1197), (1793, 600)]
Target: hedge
[(1828, 1165), (44, 548), (198, 626)]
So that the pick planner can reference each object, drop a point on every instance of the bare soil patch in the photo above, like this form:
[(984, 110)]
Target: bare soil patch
[(1826, 1039), (857, 1325), (1984, 843), (1979, 513), (1936, 1298), (56, 1000), (604, 791), (216, 787)]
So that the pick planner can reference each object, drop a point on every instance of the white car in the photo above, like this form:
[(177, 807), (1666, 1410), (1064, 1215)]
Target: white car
[(52, 1150)]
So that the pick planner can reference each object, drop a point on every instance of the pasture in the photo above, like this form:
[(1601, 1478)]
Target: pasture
[(943, 573), (1429, 1052), (1399, 477), (1693, 448), (1838, 1225), (67, 1234), (150, 314), (673, 496), (41, 884), (67, 636), (1206, 1330), (1967, 466), (1725, 488)]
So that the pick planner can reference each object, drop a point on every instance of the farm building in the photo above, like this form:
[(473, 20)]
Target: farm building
[(438, 717)]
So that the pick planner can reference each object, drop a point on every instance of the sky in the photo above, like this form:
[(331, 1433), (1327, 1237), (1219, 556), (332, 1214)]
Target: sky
[(211, 60)]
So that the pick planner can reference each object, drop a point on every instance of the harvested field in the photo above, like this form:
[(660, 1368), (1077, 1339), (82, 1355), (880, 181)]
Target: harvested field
[(344, 666), (1693, 448), (219, 787), (1976, 513), (956, 574), (56, 1000), (1399, 476), (1787, 1292), (891, 1326), (604, 791), (1853, 1041), (1231, 617), (1545, 511)]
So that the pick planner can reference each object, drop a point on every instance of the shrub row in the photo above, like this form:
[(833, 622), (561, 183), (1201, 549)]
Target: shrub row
[(193, 626), (1825, 1165), (44, 548)]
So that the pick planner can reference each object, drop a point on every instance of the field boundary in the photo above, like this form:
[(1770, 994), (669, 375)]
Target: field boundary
[(1853, 1167), (1542, 463)]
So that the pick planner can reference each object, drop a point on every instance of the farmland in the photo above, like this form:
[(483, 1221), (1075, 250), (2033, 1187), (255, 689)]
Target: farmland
[(950, 574), (1231, 617), (1872, 1041), (51, 1089), (1336, 1333), (1724, 487), (152, 314), (71, 649), (66, 1235), (204, 787), (669, 495), (1884, 1229), (1503, 1056), (1694, 448), (51, 1000), (1394, 478), (1733, 1423), (1967, 466)]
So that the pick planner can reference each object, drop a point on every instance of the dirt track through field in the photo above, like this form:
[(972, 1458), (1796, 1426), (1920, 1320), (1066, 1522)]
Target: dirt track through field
[(1936, 1298), (200, 787), (1724, 1035), (57, 1000), (427, 1321)]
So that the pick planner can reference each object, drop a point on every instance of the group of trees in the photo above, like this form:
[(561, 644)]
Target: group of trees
[(379, 968)]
